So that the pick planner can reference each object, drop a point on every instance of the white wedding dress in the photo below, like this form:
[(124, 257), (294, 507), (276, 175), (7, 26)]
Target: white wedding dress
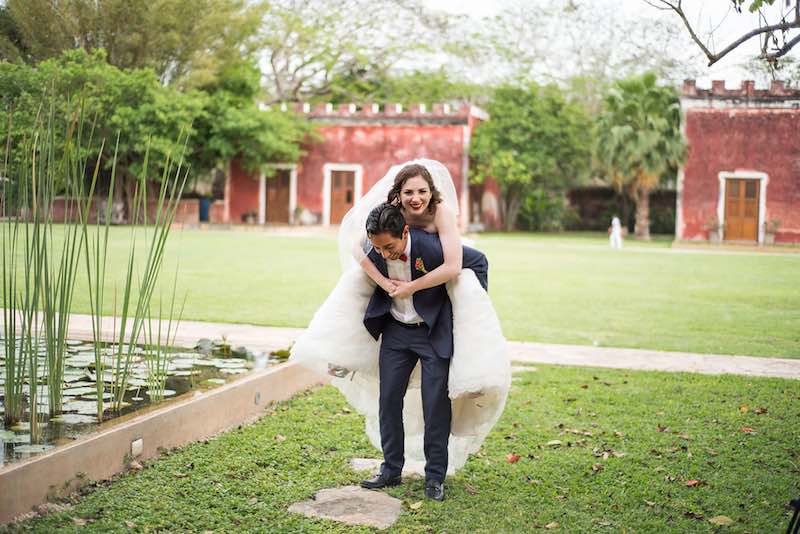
[(480, 362)]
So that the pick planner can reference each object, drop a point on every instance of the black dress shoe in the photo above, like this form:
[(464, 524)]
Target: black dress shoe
[(434, 490), (379, 481)]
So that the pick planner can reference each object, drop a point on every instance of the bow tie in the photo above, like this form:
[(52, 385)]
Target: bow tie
[(403, 257)]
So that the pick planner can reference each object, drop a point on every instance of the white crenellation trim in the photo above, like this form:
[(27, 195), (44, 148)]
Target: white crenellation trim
[(326, 185), (763, 178)]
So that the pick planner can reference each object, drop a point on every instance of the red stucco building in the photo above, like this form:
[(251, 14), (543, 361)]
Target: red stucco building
[(741, 180), (356, 146)]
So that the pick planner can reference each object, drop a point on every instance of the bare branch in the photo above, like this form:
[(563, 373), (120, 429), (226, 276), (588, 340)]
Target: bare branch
[(770, 29)]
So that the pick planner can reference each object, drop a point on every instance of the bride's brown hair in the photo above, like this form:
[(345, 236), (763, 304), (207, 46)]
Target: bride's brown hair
[(406, 173)]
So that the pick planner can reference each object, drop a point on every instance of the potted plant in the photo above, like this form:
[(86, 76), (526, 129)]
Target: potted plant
[(714, 229), (770, 229)]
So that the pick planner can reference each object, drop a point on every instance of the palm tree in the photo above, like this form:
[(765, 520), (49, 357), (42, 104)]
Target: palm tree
[(639, 139)]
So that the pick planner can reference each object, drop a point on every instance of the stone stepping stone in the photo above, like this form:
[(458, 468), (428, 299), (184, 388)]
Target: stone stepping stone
[(352, 505)]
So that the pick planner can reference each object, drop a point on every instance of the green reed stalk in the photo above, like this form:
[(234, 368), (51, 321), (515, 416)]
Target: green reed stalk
[(170, 192)]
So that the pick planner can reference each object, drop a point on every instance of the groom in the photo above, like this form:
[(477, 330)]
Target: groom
[(413, 328)]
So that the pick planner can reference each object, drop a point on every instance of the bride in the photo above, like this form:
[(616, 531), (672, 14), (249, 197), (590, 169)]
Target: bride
[(336, 341)]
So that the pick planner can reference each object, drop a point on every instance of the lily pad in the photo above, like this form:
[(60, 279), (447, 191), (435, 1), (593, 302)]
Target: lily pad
[(75, 419)]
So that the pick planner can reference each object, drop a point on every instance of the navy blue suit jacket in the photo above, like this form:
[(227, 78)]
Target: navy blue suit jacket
[(432, 304)]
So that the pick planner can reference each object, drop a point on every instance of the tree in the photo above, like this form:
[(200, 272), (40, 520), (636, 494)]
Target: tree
[(175, 38), (535, 139), (310, 49), (774, 29), (639, 139)]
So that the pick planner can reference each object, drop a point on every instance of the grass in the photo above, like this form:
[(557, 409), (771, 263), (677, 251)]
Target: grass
[(547, 288), (658, 432)]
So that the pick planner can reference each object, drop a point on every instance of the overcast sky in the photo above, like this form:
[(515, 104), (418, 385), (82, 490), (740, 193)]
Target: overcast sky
[(704, 15)]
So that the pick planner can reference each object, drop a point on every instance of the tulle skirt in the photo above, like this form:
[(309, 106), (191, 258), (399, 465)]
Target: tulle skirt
[(480, 364)]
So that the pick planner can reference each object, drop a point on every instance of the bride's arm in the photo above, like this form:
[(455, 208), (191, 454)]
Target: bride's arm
[(452, 250), (366, 264)]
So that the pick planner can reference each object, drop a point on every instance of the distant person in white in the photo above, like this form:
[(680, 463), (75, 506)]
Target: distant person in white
[(615, 233)]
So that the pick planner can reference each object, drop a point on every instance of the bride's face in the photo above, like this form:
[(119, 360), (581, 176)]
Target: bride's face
[(415, 195)]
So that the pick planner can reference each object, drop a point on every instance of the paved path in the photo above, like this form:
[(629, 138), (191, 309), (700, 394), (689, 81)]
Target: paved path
[(262, 338)]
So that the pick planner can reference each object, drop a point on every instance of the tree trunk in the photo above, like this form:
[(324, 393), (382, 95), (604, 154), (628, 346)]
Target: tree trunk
[(643, 213), (512, 204)]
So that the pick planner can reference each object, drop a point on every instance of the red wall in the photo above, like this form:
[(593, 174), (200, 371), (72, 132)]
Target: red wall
[(376, 148), (241, 193), (762, 140)]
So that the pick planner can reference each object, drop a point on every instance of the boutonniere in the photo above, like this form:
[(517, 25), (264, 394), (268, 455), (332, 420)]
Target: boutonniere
[(420, 266)]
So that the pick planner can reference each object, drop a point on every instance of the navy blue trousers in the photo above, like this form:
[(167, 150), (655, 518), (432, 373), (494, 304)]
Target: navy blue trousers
[(401, 348)]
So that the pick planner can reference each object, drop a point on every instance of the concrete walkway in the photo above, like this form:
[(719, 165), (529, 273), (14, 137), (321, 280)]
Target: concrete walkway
[(262, 338)]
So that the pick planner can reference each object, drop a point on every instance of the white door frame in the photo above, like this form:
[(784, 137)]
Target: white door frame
[(763, 178), (327, 169), (262, 189)]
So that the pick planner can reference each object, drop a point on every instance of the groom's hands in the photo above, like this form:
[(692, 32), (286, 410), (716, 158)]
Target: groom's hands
[(389, 285), (402, 289)]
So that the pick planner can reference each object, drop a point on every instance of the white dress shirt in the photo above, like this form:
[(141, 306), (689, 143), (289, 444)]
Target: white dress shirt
[(403, 308)]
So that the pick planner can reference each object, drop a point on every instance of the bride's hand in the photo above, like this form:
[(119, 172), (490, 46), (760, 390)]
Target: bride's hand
[(403, 290), (389, 285)]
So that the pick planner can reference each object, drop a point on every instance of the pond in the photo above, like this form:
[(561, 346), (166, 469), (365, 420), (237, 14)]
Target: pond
[(208, 365)]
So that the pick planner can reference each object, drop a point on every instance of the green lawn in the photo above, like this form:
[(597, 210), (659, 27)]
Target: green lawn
[(548, 288), (631, 443)]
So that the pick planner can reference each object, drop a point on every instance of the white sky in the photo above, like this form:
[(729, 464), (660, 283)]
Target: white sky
[(704, 15)]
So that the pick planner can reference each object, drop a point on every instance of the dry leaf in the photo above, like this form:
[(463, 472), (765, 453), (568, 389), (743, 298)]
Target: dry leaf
[(511, 458), (650, 503), (469, 489), (692, 483), (554, 443), (684, 436), (551, 525), (759, 411), (597, 467), (135, 465), (77, 521), (130, 524), (747, 430), (280, 437), (661, 428), (178, 474), (415, 506), (721, 520), (743, 408), (253, 500)]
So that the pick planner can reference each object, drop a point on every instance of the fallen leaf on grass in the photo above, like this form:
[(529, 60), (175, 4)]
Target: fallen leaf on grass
[(760, 411), (415, 506), (743, 408), (597, 467), (692, 483), (511, 458), (721, 520), (280, 437), (130, 524), (552, 525), (554, 443), (684, 436), (135, 465), (748, 430), (661, 428), (253, 500), (78, 522), (178, 474), (650, 503), (469, 489)]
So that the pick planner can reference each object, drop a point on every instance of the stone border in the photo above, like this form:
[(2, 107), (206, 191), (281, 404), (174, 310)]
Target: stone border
[(99, 456)]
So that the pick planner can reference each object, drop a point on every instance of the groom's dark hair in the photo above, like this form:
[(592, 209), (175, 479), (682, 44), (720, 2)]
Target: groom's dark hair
[(386, 217)]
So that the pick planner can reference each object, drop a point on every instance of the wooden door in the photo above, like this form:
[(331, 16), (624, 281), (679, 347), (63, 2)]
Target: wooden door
[(277, 196), (741, 209), (342, 194)]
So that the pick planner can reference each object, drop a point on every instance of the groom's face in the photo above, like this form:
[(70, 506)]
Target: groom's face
[(389, 246)]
